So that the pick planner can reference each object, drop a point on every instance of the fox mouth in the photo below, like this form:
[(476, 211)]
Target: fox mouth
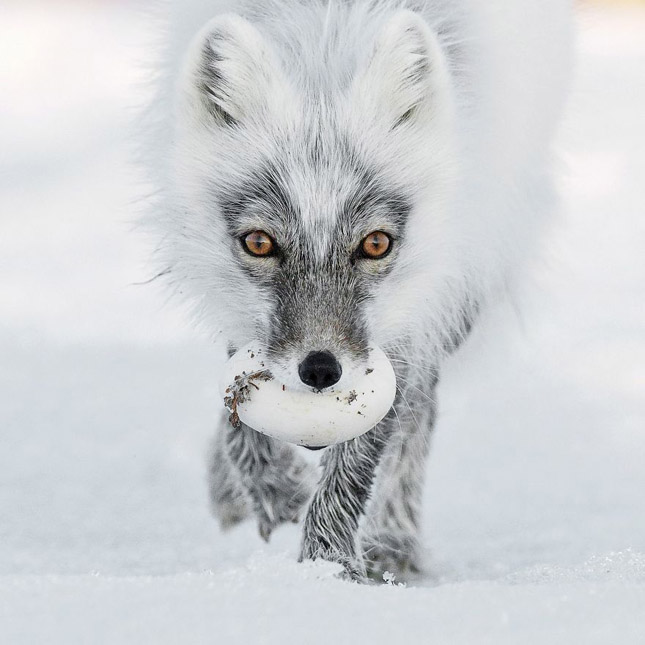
[(256, 396)]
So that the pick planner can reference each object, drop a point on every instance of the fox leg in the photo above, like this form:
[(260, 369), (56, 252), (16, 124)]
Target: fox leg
[(332, 521), (230, 502), (254, 472), (391, 530)]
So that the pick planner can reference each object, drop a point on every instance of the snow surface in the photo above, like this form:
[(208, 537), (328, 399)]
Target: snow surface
[(535, 513)]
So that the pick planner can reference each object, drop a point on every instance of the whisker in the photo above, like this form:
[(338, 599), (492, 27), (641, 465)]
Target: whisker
[(414, 419), (419, 390), (425, 437)]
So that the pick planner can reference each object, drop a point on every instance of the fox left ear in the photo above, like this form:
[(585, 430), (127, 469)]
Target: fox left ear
[(406, 79), (231, 72)]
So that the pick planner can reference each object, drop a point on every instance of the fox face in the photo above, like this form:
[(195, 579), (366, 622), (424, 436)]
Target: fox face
[(317, 266), (310, 204)]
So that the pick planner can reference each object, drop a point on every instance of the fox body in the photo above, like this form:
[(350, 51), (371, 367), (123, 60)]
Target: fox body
[(287, 132)]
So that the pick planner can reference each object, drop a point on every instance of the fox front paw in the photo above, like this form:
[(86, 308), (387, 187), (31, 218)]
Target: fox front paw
[(353, 568), (316, 545), (281, 500)]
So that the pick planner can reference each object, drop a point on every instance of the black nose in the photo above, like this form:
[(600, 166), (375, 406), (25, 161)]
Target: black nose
[(320, 370)]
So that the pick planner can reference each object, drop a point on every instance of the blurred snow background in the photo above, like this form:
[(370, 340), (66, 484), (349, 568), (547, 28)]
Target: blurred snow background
[(535, 514)]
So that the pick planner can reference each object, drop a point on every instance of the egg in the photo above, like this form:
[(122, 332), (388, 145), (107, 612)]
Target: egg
[(256, 398)]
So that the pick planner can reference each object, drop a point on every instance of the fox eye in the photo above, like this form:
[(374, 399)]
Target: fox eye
[(376, 245), (259, 243)]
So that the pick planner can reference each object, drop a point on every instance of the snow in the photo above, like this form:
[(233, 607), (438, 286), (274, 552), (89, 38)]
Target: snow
[(535, 513)]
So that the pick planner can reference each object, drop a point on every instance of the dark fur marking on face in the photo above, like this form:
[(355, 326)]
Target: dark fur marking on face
[(318, 308), (373, 193), (375, 196), (264, 190)]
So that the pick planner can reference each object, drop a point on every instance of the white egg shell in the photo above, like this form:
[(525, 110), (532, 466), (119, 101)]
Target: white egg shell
[(307, 418)]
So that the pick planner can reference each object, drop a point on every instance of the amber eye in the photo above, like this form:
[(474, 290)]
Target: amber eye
[(258, 243), (376, 245)]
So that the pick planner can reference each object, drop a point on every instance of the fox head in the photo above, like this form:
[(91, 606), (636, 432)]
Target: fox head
[(312, 171)]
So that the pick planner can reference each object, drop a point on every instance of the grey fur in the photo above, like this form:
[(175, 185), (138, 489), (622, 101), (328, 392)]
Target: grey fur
[(332, 522)]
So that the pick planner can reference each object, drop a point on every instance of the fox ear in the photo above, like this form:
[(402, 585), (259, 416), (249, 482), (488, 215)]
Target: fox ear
[(406, 78), (231, 72)]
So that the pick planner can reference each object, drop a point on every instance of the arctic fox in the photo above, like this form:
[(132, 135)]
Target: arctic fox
[(334, 174)]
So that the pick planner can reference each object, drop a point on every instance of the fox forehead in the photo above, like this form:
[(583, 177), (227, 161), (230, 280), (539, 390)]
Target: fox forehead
[(307, 160), (316, 191)]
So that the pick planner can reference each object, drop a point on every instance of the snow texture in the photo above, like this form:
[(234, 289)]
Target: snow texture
[(535, 511)]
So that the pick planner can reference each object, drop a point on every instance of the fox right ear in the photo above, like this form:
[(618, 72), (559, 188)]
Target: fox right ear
[(406, 79), (231, 72)]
